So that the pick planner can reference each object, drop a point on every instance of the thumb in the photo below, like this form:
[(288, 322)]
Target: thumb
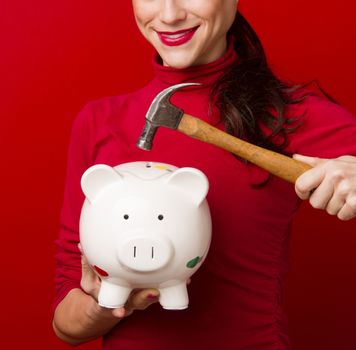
[(85, 265), (313, 161), (86, 268), (89, 281)]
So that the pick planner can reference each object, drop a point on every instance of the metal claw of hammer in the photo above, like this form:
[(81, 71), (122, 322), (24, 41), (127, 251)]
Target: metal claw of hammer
[(163, 113)]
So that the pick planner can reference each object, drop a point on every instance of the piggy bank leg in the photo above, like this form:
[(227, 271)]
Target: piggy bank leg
[(112, 295), (174, 297)]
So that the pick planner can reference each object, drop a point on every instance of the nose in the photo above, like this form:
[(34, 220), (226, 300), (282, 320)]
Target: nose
[(171, 12), (144, 254)]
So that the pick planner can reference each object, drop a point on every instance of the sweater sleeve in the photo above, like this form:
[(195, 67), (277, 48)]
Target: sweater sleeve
[(68, 258), (327, 130)]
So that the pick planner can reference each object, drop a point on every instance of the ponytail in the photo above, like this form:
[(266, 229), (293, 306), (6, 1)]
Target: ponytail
[(250, 97)]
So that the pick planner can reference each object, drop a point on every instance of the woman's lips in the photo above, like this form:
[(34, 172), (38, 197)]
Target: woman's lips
[(177, 38)]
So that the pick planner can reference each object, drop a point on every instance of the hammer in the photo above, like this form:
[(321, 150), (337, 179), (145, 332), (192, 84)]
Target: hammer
[(163, 113)]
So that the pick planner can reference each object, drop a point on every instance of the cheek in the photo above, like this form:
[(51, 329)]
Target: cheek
[(214, 7), (142, 20), (219, 13), (225, 17), (142, 12)]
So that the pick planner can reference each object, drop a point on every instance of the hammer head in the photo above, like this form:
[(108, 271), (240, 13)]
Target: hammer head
[(161, 113)]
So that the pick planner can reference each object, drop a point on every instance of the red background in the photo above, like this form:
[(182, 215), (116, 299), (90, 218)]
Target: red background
[(55, 56)]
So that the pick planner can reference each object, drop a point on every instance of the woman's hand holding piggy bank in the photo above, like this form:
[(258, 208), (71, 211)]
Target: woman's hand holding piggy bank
[(138, 299), (143, 225)]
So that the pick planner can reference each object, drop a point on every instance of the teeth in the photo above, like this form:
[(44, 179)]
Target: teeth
[(175, 36)]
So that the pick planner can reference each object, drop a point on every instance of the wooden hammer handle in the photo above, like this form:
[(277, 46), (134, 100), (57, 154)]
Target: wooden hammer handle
[(277, 164)]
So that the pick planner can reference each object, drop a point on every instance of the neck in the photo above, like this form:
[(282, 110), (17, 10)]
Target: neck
[(205, 74)]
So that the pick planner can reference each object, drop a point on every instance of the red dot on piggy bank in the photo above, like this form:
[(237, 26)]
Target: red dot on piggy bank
[(100, 271)]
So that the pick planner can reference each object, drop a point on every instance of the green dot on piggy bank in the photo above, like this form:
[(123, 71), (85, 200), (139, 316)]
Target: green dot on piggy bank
[(192, 263)]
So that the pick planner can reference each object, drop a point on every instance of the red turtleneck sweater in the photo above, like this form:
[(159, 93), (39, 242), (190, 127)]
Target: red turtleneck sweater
[(236, 296)]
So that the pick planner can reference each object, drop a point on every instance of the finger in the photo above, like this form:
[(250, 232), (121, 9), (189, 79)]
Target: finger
[(347, 159), (141, 300), (338, 200), (86, 268), (89, 282), (313, 161), (320, 198), (335, 205), (347, 212), (309, 181), (342, 193), (119, 312), (144, 298)]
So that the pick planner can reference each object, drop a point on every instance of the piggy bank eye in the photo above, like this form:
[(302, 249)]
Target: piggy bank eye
[(126, 217), (160, 217)]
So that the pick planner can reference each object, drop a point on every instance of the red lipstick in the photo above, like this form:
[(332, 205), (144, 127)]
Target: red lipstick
[(179, 37)]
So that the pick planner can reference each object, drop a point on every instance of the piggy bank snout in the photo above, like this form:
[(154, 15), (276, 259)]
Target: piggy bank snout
[(145, 254)]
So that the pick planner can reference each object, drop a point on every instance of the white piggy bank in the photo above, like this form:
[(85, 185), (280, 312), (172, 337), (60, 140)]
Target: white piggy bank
[(145, 225)]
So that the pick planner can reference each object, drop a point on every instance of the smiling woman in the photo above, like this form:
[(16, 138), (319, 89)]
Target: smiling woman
[(236, 297), (186, 33)]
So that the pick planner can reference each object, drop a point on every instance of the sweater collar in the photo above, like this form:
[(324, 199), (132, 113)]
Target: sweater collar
[(205, 74)]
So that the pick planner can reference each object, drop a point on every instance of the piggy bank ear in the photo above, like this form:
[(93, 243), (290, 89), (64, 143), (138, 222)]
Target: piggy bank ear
[(96, 178), (192, 182)]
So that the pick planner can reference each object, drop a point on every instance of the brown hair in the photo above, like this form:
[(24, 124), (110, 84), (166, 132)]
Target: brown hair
[(250, 97)]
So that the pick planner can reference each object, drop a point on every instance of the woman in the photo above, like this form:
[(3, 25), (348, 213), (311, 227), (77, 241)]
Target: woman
[(235, 298)]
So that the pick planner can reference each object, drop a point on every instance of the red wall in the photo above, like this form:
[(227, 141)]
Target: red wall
[(55, 56)]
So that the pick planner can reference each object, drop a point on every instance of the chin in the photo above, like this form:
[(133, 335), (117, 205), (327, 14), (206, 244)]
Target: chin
[(178, 61)]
